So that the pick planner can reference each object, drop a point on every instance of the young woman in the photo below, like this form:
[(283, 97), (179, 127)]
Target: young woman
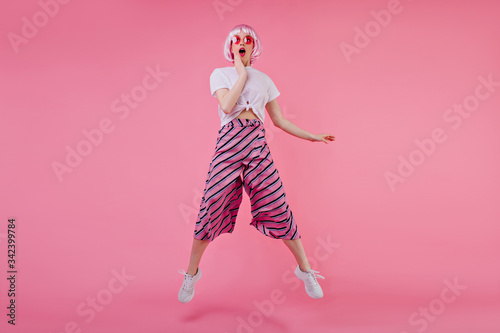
[(243, 92)]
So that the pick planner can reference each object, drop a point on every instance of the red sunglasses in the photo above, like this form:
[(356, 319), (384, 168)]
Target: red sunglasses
[(246, 39)]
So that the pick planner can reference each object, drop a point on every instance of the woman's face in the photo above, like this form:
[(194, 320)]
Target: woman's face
[(244, 38)]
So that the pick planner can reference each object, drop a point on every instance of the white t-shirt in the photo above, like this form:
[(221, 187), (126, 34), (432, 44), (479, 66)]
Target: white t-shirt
[(258, 90)]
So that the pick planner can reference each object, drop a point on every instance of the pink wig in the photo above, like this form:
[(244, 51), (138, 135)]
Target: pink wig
[(257, 46)]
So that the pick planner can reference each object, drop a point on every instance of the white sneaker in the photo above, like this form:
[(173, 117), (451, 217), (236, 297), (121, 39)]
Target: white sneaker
[(186, 292), (313, 288)]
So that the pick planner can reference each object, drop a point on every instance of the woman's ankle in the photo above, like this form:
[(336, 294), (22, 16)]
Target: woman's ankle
[(301, 267)]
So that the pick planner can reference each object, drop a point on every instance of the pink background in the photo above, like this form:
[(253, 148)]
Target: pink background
[(130, 205)]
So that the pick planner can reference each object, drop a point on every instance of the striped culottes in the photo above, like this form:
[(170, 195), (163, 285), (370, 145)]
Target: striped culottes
[(242, 159)]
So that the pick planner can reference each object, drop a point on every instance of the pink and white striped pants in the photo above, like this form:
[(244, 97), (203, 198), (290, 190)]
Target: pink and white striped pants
[(242, 159)]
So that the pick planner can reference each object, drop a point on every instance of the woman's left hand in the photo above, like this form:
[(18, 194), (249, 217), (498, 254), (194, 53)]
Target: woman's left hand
[(323, 137)]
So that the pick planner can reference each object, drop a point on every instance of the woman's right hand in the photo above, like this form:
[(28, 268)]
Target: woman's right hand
[(238, 64)]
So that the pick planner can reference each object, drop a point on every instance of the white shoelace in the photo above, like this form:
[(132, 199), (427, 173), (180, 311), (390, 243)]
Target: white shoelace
[(312, 276), (188, 280)]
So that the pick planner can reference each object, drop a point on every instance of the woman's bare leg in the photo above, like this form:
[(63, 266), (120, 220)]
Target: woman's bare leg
[(197, 250), (295, 245)]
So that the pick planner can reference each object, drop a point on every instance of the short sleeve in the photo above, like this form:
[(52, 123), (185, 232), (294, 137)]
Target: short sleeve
[(217, 81), (272, 91)]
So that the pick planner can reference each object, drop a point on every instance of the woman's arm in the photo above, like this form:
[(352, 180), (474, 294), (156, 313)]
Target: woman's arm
[(286, 125), (228, 98)]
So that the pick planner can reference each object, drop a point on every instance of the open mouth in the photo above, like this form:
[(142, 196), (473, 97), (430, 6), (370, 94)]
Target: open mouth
[(242, 51)]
